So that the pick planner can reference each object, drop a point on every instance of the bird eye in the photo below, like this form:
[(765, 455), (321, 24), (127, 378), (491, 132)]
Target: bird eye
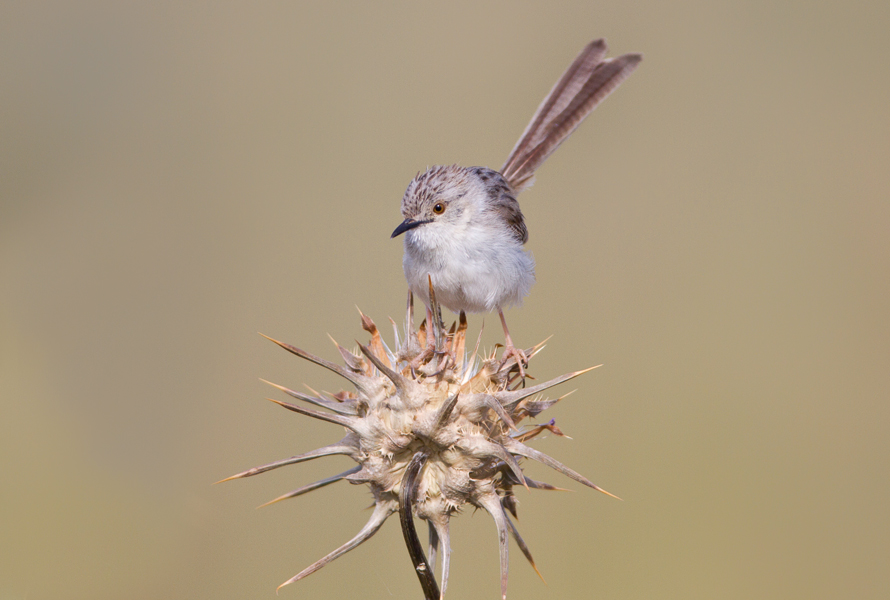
[(439, 208)]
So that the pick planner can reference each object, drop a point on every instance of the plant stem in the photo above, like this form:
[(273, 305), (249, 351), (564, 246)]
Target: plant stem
[(406, 518)]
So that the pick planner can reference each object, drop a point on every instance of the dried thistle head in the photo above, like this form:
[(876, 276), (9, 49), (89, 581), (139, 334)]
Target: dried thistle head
[(430, 432)]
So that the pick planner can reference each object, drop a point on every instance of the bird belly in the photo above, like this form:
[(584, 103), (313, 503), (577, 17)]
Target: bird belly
[(479, 277)]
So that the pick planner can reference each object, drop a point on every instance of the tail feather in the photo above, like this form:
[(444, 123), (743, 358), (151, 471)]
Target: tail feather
[(586, 83)]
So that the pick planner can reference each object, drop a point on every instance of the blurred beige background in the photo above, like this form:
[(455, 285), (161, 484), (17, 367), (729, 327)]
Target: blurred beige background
[(176, 177)]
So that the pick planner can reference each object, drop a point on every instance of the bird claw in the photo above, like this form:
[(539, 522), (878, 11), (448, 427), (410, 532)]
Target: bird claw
[(447, 360), (421, 362), (421, 359), (511, 351)]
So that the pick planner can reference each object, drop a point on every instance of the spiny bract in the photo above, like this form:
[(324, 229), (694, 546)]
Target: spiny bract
[(430, 432)]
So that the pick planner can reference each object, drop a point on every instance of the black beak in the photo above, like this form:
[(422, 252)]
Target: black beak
[(405, 226)]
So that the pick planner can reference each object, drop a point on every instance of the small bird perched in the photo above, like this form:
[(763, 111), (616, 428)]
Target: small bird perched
[(464, 232)]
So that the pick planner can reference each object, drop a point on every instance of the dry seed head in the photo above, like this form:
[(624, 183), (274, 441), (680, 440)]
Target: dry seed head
[(455, 415)]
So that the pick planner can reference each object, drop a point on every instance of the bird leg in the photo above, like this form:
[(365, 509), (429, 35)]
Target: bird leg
[(511, 350), (430, 349)]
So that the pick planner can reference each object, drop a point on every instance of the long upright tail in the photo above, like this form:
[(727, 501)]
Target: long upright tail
[(586, 83)]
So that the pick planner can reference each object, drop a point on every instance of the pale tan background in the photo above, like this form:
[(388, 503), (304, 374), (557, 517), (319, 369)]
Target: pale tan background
[(176, 177)]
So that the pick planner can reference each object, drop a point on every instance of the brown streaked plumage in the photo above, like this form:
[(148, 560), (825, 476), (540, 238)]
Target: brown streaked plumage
[(464, 230)]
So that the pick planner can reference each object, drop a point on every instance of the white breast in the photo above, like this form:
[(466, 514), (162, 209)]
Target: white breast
[(480, 267)]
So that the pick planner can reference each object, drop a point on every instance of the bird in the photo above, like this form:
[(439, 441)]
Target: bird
[(464, 233)]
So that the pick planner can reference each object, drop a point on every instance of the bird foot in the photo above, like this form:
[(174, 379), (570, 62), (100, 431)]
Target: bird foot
[(421, 362), (421, 359), (512, 352)]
